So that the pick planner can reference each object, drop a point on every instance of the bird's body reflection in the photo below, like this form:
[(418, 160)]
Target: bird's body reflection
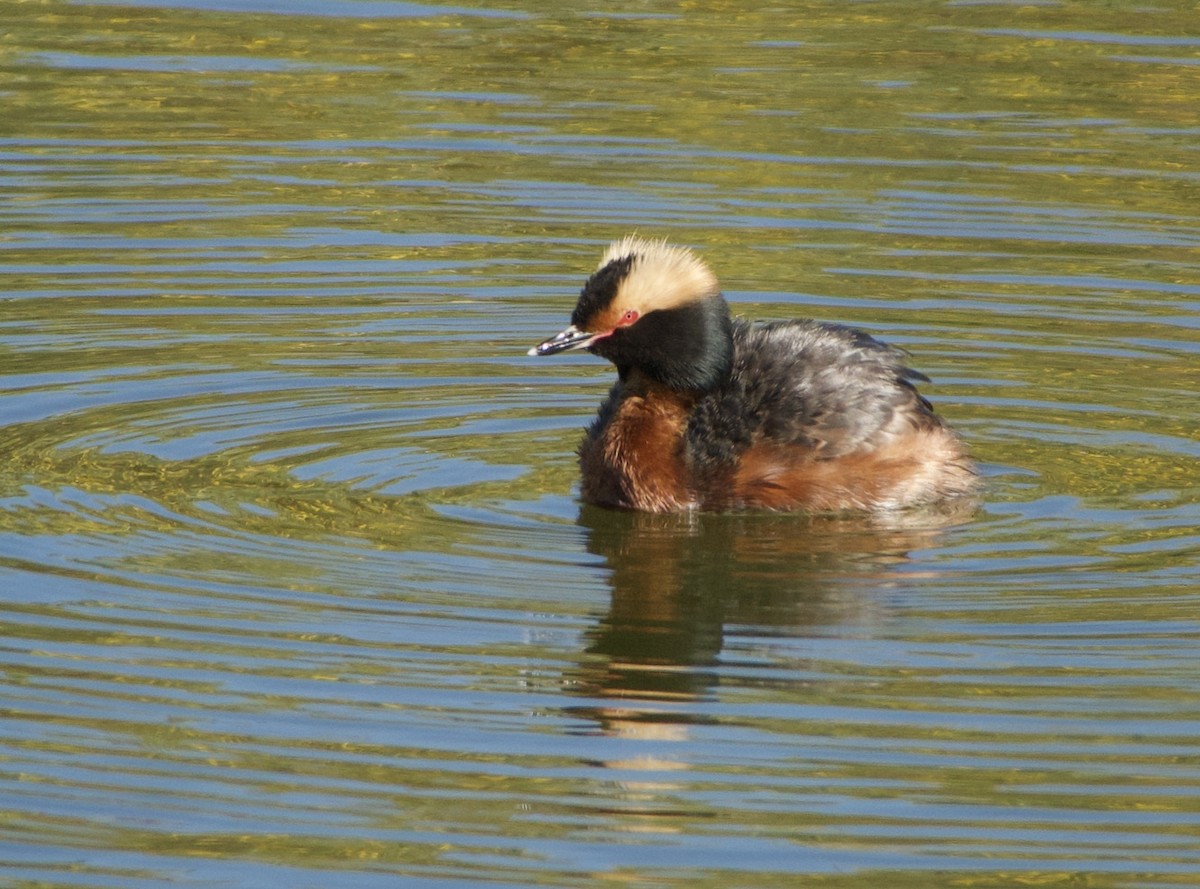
[(651, 672), (680, 580)]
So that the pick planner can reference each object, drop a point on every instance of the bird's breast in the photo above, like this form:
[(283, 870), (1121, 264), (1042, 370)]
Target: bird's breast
[(633, 456)]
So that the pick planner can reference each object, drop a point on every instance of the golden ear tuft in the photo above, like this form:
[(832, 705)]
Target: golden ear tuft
[(662, 276)]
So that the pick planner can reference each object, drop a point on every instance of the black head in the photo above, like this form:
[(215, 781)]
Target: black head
[(656, 310)]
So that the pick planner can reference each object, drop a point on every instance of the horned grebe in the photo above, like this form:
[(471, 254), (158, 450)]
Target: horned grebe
[(718, 413)]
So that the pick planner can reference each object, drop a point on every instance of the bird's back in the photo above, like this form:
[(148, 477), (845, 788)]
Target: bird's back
[(819, 416)]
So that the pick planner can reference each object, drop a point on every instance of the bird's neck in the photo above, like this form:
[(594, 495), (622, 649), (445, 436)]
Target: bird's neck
[(686, 349)]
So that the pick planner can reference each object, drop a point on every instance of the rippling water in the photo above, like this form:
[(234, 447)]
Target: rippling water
[(297, 590)]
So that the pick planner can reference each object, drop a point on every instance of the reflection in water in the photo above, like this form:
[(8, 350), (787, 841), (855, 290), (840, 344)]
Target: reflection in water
[(679, 579)]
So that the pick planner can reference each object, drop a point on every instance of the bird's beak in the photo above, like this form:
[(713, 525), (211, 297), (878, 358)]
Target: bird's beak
[(571, 338)]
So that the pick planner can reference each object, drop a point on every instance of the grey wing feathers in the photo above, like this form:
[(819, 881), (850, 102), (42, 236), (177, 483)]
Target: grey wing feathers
[(833, 389), (866, 391)]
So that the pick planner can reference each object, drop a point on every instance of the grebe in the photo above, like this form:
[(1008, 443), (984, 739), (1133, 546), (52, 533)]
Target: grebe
[(717, 413)]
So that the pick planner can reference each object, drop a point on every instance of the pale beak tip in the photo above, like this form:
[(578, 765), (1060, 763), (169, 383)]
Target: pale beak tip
[(571, 338)]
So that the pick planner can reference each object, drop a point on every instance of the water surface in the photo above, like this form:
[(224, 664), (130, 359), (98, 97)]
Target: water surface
[(297, 589)]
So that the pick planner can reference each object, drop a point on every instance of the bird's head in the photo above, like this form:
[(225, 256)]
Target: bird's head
[(653, 308)]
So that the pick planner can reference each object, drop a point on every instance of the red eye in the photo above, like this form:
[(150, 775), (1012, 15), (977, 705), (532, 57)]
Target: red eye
[(629, 317)]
